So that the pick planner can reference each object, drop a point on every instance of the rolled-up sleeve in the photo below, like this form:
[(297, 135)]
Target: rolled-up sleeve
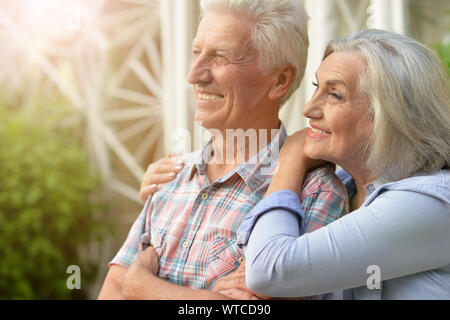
[(285, 199), (131, 247)]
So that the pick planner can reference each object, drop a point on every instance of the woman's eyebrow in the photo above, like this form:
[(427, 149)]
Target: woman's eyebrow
[(336, 81), (332, 81)]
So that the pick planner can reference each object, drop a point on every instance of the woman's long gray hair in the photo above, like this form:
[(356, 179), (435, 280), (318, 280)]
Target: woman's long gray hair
[(409, 95)]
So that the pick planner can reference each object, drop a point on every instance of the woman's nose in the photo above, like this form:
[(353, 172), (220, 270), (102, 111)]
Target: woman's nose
[(313, 108)]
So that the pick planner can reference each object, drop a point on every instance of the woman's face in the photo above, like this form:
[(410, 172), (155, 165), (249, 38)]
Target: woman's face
[(338, 112)]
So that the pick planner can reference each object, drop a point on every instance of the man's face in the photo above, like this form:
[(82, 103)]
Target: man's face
[(230, 90)]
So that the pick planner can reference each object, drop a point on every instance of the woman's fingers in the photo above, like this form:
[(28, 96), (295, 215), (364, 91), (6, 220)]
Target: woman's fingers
[(145, 192), (171, 160), (162, 178), (152, 184), (238, 294), (232, 281), (160, 172), (167, 168), (166, 165)]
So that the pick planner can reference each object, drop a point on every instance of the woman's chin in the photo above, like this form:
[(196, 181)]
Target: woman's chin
[(318, 156), (312, 153)]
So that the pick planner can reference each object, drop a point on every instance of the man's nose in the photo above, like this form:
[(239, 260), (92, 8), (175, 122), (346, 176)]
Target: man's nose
[(200, 71)]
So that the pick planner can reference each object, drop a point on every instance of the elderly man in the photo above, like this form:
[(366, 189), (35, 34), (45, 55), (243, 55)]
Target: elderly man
[(248, 58)]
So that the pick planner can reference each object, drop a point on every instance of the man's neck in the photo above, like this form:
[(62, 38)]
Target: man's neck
[(234, 147)]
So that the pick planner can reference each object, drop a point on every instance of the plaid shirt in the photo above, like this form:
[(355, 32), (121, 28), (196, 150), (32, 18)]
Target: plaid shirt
[(192, 223)]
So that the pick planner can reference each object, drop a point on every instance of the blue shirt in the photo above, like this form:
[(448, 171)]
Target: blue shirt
[(396, 246)]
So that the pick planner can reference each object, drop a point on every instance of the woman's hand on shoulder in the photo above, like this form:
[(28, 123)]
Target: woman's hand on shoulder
[(293, 164), (160, 172)]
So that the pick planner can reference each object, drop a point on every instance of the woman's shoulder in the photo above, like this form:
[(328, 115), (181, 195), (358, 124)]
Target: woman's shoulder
[(435, 185), (440, 178)]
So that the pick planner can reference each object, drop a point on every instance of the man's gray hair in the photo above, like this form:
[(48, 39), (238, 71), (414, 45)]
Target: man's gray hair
[(280, 32), (409, 95)]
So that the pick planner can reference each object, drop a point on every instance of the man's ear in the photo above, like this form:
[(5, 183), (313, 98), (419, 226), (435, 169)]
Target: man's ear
[(283, 79)]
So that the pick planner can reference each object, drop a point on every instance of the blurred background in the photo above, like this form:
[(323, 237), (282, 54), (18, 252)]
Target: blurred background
[(92, 91)]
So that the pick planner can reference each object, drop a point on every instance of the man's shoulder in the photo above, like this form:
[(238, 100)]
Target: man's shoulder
[(191, 157), (189, 160), (323, 179)]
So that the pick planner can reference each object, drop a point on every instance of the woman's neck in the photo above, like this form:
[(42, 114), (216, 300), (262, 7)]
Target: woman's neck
[(362, 178)]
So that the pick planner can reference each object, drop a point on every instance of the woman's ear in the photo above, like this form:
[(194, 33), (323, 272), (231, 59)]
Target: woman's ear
[(283, 79)]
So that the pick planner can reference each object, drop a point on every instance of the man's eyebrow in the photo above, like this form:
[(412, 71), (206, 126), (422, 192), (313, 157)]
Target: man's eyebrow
[(226, 49), (195, 44)]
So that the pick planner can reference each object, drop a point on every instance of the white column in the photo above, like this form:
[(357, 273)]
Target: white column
[(323, 23), (177, 30), (323, 27), (390, 15)]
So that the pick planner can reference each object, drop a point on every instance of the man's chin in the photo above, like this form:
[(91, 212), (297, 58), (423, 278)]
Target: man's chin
[(207, 123)]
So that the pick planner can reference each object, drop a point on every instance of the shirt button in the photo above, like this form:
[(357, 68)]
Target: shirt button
[(185, 244), (205, 196), (241, 259)]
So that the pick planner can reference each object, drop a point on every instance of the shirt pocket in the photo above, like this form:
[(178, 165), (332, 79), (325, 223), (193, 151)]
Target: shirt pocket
[(153, 238), (224, 257)]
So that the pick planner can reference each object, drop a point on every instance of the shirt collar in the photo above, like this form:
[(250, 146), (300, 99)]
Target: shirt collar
[(348, 181), (197, 162), (350, 185), (253, 172), (371, 187)]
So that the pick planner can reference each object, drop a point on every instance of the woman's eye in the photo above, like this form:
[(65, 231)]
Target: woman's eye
[(337, 96), (315, 84)]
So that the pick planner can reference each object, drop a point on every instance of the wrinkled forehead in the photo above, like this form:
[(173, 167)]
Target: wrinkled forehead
[(343, 66), (225, 30)]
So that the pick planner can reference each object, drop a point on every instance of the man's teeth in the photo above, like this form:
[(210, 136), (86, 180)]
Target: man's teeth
[(318, 130), (205, 96)]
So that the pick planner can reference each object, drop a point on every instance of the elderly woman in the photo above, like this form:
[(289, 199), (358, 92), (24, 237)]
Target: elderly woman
[(381, 111)]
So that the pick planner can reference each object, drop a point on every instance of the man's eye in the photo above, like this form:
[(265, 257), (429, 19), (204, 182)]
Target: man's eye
[(315, 84), (221, 59)]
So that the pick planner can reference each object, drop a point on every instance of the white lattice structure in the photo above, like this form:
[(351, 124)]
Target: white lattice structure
[(159, 101), (123, 64)]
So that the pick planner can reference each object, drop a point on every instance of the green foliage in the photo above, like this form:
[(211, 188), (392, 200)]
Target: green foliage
[(46, 210), (443, 51), (443, 48)]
